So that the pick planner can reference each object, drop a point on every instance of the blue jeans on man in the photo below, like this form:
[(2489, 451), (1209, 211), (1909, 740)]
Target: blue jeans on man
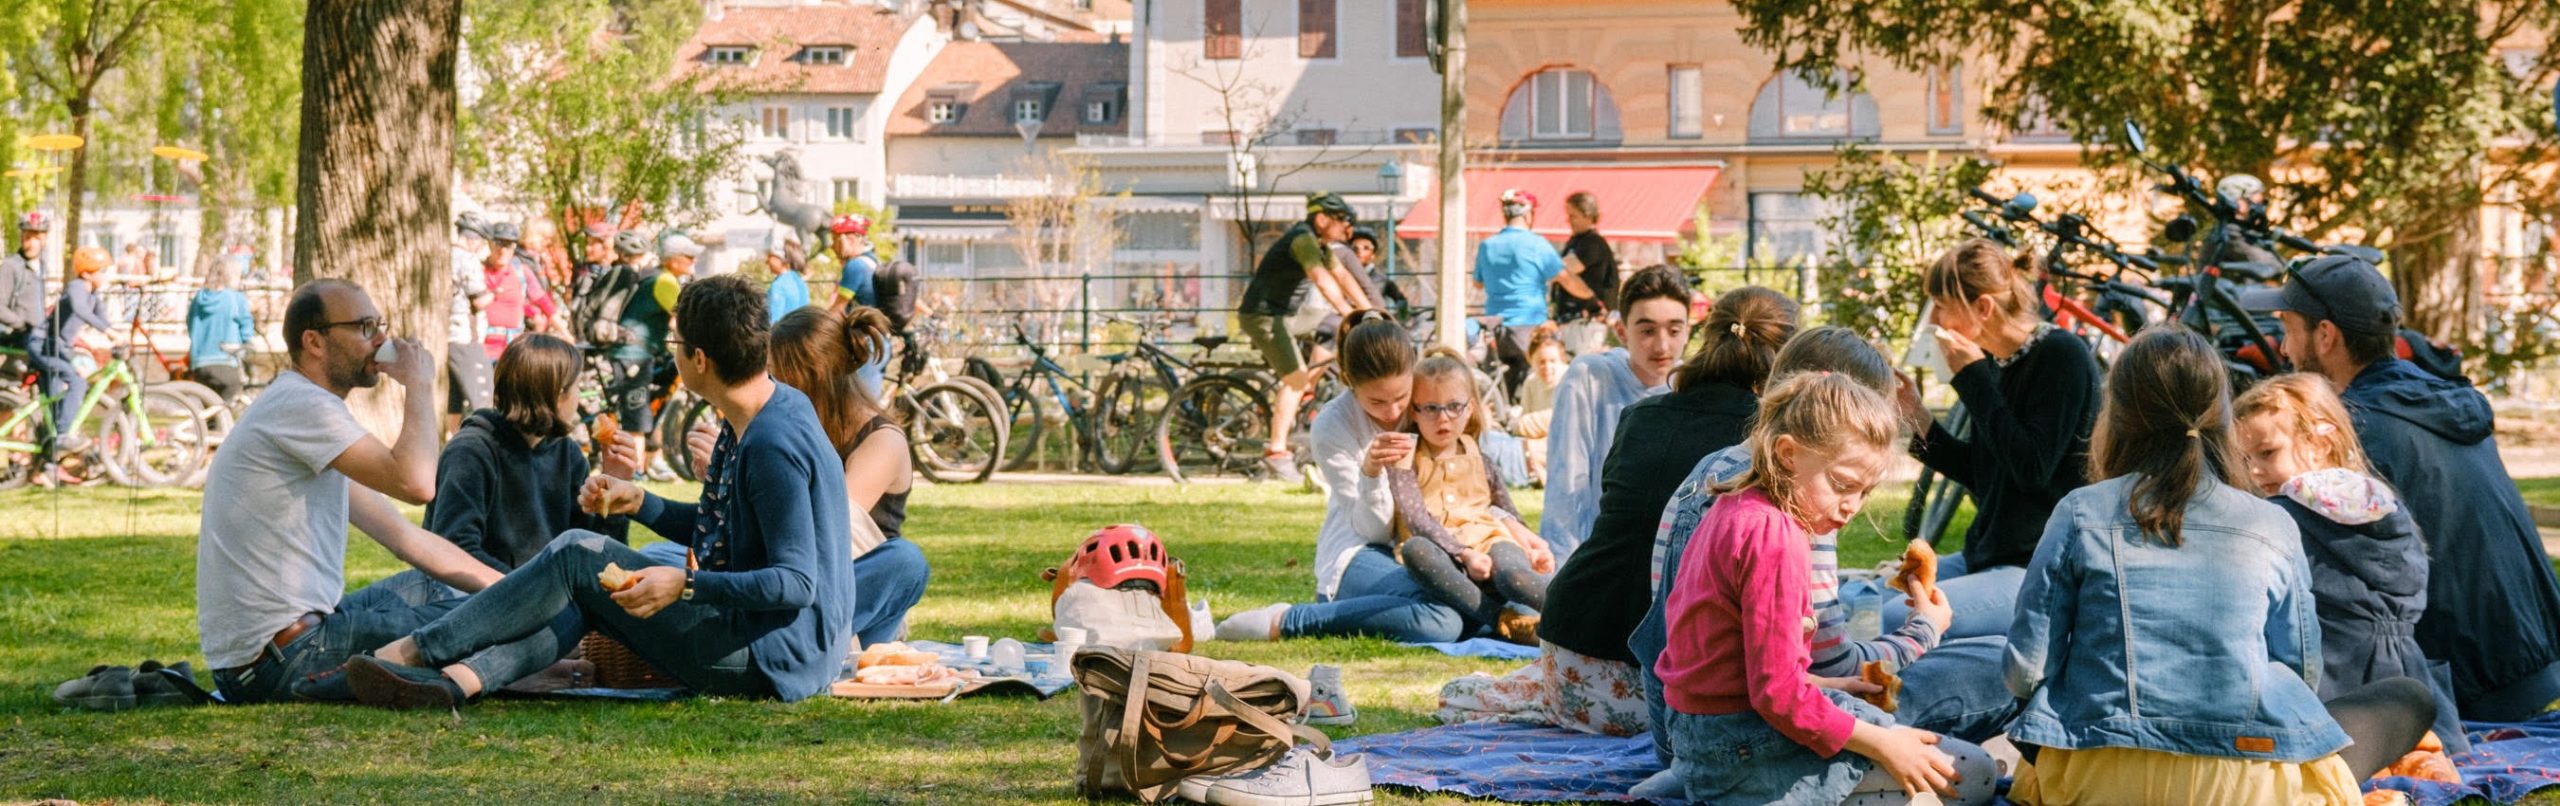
[(887, 582), (537, 614), (366, 619)]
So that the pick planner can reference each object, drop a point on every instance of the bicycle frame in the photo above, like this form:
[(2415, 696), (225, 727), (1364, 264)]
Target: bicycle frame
[(100, 382)]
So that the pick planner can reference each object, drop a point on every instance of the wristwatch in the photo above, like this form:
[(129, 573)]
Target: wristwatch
[(687, 596)]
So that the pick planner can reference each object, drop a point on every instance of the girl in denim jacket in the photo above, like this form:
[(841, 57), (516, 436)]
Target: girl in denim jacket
[(1747, 724), (2166, 641)]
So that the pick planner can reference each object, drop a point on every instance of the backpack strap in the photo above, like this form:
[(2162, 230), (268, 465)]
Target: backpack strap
[(1132, 715)]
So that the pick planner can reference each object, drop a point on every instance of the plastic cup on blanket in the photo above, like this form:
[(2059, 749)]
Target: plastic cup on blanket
[(1006, 653), (974, 646), (1073, 635)]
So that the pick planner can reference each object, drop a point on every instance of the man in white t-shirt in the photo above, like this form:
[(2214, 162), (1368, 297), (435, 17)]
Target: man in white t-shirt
[(271, 553)]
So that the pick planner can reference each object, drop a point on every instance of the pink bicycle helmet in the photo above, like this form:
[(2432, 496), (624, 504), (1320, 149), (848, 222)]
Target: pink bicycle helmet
[(1117, 554)]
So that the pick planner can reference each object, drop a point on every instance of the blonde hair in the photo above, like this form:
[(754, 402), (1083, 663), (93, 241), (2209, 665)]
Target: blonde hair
[(1442, 363), (1821, 411), (2305, 407), (1981, 268)]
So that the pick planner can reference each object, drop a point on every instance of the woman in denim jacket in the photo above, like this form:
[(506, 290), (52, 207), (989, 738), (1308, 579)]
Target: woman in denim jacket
[(2167, 641)]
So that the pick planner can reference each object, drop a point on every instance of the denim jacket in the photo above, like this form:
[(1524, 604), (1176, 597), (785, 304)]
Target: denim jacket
[(2208, 648)]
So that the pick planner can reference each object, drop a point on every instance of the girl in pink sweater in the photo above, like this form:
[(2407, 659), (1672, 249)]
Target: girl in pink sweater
[(1748, 725)]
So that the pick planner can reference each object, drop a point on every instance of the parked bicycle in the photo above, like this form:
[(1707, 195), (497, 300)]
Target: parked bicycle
[(1107, 418), (121, 431)]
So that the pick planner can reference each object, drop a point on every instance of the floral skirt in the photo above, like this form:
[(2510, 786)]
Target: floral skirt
[(1561, 688)]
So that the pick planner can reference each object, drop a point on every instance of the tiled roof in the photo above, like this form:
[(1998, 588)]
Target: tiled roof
[(989, 76), (778, 35)]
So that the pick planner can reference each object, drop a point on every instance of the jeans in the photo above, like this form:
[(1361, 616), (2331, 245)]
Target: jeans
[(365, 620), (1741, 758), (1984, 601), (536, 615), (1377, 598), (1956, 690), (61, 379), (887, 582)]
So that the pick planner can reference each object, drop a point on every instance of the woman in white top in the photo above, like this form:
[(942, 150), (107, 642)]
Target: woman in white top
[(1360, 588)]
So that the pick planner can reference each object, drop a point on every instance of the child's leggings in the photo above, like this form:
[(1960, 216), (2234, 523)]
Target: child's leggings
[(1446, 579)]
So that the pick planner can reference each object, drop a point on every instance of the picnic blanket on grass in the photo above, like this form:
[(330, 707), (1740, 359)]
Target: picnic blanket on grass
[(1524, 763), (2507, 761), (1050, 676), (1521, 763), (1494, 648)]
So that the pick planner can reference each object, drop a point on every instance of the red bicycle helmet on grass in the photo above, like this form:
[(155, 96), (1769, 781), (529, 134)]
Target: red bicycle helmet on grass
[(1117, 555)]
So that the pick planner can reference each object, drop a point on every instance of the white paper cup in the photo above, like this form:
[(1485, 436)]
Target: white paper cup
[(1072, 635), (975, 646), (1066, 652), (389, 354)]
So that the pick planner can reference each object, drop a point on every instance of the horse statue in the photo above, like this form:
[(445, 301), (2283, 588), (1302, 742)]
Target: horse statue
[(782, 201)]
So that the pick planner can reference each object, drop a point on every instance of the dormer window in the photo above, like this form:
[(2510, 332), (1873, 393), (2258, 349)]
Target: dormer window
[(829, 55), (1101, 111), (1029, 110), (730, 55), (944, 109)]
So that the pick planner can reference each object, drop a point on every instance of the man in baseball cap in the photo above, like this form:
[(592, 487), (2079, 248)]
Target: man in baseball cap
[(2493, 606)]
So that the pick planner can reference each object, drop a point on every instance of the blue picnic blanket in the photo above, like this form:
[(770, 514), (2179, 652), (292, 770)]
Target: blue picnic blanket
[(1494, 648), (1525, 763), (2507, 760), (1508, 762), (1046, 677)]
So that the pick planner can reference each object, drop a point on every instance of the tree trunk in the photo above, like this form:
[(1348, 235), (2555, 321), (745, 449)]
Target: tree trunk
[(2439, 277), (374, 193), (75, 186)]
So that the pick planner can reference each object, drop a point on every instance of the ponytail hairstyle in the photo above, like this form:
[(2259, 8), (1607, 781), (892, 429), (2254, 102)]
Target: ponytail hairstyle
[(2166, 419), (1444, 362), (1822, 411), (1741, 339), (2305, 406), (1376, 348), (820, 352), (1832, 348), (1981, 268)]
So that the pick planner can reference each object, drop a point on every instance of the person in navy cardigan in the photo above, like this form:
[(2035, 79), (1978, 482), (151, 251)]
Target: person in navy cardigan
[(765, 611)]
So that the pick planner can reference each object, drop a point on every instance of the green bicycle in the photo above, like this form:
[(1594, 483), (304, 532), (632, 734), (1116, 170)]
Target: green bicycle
[(137, 436)]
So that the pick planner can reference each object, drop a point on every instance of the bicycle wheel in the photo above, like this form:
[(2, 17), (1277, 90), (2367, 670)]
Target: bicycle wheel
[(1934, 498), (163, 447), (218, 419), (17, 467), (1025, 417), (1214, 425), (1124, 422), (676, 418), (954, 434)]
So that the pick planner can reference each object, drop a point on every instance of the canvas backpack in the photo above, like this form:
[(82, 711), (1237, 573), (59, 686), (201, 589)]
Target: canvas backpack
[(1152, 719)]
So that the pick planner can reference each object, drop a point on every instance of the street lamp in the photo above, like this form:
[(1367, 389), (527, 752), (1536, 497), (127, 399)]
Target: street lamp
[(1391, 183)]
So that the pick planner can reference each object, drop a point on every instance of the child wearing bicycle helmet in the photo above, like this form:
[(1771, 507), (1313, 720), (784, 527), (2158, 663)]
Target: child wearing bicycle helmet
[(50, 348)]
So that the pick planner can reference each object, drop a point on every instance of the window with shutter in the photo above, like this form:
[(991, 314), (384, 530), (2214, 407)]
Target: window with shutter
[(1315, 29), (1222, 29), (1412, 35)]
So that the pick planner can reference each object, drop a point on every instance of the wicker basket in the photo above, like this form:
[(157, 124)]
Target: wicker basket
[(619, 667)]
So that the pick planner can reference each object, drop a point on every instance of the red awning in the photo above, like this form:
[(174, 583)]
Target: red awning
[(1649, 203)]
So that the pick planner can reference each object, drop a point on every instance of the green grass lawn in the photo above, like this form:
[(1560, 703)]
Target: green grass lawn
[(107, 575)]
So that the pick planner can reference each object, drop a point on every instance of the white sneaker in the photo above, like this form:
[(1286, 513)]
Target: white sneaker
[(1327, 703), (1299, 778)]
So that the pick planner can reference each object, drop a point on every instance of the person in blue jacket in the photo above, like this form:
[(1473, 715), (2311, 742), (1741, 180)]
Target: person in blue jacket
[(2493, 606), (763, 607), (218, 331)]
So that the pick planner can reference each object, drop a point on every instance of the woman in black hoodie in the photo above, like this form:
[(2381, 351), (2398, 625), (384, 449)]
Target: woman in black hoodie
[(508, 482)]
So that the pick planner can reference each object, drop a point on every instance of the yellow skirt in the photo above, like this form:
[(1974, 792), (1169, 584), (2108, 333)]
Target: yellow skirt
[(2110, 775)]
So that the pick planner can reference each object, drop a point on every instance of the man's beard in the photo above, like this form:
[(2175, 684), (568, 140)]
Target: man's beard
[(356, 374)]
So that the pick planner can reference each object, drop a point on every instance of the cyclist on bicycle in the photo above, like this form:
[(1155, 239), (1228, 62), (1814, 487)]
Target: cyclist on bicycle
[(849, 239), (644, 370), (22, 283), (1301, 259), (51, 347)]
